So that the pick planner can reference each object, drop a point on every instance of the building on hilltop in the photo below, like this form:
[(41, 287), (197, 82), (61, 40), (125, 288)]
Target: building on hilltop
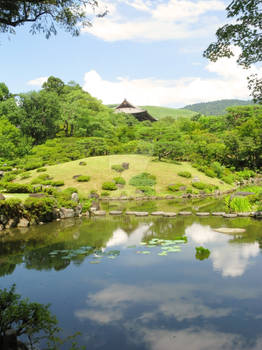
[(138, 113)]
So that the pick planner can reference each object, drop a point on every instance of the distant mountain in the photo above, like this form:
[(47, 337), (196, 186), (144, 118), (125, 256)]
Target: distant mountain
[(216, 107), (162, 112)]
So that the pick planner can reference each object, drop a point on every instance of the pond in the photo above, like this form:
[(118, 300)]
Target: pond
[(135, 283)]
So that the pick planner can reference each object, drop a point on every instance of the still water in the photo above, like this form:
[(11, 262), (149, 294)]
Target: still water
[(99, 282)]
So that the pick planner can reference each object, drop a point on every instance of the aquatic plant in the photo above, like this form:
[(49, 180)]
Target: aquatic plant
[(202, 253)]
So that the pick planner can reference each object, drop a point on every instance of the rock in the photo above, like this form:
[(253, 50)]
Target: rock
[(23, 222), (78, 210), (99, 213), (202, 214), (169, 197), (185, 213), (76, 176), (141, 213), (11, 223), (130, 212), (157, 213), (124, 198), (2, 173), (92, 209), (195, 179), (93, 195), (243, 194), (258, 214), (229, 215), (75, 197), (56, 213), (37, 195), (66, 213), (125, 165), (116, 212), (218, 213), (244, 215), (182, 188), (2, 197), (3, 219), (1, 227), (169, 214), (229, 230)]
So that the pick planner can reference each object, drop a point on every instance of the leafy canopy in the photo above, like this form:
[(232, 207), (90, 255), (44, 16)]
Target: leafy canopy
[(245, 32), (46, 15)]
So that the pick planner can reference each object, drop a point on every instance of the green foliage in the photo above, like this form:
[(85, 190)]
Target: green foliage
[(174, 187), (245, 174), (143, 179), (229, 179), (32, 164), (8, 177), (203, 186), (147, 190), (109, 186), (86, 205), (186, 174), (11, 208), (43, 179), (118, 168), (202, 253), (30, 320), (11, 187), (24, 176), (41, 209), (105, 194), (119, 180), (83, 178), (58, 183), (209, 172), (237, 204), (41, 170)]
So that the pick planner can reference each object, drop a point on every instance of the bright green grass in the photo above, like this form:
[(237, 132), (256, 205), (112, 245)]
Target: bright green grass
[(162, 112), (21, 196), (100, 171)]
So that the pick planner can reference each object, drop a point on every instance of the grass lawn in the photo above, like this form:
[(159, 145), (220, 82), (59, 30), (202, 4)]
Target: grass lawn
[(99, 168), (162, 112), (21, 196)]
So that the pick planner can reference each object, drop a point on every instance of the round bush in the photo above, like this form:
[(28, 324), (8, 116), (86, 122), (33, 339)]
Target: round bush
[(119, 180), (174, 187), (41, 170), (186, 174), (118, 168), (83, 178), (57, 183), (109, 186)]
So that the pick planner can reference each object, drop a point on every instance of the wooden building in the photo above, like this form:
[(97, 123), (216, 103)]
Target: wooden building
[(138, 113)]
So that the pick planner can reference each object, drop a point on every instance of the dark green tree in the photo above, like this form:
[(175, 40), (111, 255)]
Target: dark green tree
[(45, 15), (54, 84), (245, 32)]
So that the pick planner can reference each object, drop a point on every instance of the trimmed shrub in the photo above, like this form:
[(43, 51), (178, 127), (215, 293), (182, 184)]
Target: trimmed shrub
[(210, 173), (12, 208), (82, 163), (143, 179), (11, 187), (186, 174), (41, 209), (119, 180), (174, 187), (83, 178), (24, 176), (8, 177), (109, 186), (57, 183), (32, 164), (105, 194), (118, 168), (199, 185), (229, 179), (86, 206), (149, 191), (41, 170)]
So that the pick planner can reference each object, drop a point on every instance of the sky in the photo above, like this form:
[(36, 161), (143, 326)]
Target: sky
[(148, 51)]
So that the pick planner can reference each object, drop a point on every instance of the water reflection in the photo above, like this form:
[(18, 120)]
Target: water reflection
[(230, 260)]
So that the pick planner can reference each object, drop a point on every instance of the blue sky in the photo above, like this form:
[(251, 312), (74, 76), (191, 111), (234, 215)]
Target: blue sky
[(148, 51)]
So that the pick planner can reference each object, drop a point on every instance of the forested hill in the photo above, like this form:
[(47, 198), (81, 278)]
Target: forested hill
[(216, 107)]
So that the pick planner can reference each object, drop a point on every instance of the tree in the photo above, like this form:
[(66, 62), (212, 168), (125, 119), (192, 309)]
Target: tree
[(54, 84), (46, 15), (246, 33)]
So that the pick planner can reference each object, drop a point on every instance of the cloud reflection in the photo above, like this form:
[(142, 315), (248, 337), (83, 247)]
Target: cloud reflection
[(231, 260)]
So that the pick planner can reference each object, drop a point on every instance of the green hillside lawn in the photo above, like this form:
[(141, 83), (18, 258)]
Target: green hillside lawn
[(162, 112), (99, 168)]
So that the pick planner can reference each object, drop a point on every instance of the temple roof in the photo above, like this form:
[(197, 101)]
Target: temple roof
[(139, 113)]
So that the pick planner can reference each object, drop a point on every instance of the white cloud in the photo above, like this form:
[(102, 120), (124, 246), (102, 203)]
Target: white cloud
[(38, 81), (154, 20), (230, 260), (228, 81)]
